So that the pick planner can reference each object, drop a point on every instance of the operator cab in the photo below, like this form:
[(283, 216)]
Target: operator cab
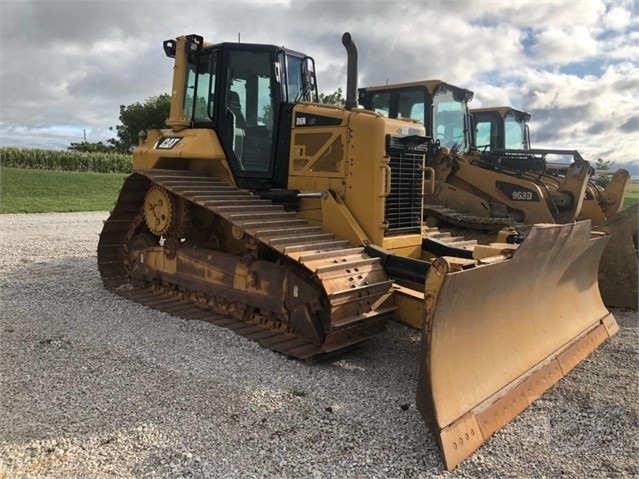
[(500, 128), (245, 92), (442, 108)]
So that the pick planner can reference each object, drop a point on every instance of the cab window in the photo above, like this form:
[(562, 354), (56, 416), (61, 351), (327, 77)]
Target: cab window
[(484, 135), (380, 103), (200, 89)]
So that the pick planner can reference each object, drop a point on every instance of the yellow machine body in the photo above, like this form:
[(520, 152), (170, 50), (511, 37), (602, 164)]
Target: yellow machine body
[(300, 226)]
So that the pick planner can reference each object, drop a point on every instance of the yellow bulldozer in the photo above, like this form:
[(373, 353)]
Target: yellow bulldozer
[(483, 191), (503, 134), (299, 225)]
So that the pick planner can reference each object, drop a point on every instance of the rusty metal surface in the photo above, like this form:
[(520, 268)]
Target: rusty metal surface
[(471, 222), (497, 336), (276, 341), (618, 271), (356, 288)]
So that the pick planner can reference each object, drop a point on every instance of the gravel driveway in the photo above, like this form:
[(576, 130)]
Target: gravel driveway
[(94, 386)]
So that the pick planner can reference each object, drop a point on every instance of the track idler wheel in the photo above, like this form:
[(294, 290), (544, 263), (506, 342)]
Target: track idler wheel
[(164, 213)]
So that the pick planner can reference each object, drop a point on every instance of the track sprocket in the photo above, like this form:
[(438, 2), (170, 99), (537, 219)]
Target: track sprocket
[(164, 213)]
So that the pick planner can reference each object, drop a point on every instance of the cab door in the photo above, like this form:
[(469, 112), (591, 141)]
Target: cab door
[(249, 100)]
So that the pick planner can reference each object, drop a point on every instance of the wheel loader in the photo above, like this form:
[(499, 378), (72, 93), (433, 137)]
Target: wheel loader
[(503, 133), (482, 192), (299, 225)]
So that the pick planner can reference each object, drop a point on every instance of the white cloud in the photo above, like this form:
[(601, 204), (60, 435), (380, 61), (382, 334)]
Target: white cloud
[(617, 18), (621, 48), (69, 65), (561, 46), (538, 15)]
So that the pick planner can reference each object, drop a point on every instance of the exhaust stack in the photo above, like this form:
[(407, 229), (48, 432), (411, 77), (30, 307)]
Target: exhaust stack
[(351, 71)]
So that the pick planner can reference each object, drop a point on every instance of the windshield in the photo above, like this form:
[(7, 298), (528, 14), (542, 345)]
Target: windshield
[(449, 120), (514, 133)]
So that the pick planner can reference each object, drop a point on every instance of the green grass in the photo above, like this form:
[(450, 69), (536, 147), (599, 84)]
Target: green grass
[(44, 191), (41, 191), (632, 194)]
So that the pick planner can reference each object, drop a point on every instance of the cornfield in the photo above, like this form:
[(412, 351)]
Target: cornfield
[(61, 160)]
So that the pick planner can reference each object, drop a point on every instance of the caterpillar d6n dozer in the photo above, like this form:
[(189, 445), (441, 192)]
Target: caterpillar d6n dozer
[(299, 225), (484, 191), (502, 134)]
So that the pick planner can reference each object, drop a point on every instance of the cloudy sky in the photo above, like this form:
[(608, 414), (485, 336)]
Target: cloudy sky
[(67, 66)]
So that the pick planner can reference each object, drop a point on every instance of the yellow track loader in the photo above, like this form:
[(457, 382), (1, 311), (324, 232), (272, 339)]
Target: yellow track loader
[(495, 197), (482, 192), (503, 134), (299, 226)]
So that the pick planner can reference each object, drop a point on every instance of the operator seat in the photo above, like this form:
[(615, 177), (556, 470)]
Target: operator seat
[(235, 107), (239, 124)]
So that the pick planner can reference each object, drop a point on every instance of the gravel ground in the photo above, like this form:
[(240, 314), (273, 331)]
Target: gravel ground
[(95, 386)]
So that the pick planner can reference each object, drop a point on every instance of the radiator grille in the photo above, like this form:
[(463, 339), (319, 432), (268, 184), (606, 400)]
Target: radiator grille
[(403, 208)]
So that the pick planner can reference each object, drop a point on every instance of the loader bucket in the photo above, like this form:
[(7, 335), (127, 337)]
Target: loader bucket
[(618, 271), (496, 336)]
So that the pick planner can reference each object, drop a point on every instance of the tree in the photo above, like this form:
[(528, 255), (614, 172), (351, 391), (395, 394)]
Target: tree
[(601, 178), (139, 117), (334, 98), (603, 164)]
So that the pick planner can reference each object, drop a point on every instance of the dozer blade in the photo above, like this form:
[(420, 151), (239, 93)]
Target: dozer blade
[(618, 270), (496, 336)]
